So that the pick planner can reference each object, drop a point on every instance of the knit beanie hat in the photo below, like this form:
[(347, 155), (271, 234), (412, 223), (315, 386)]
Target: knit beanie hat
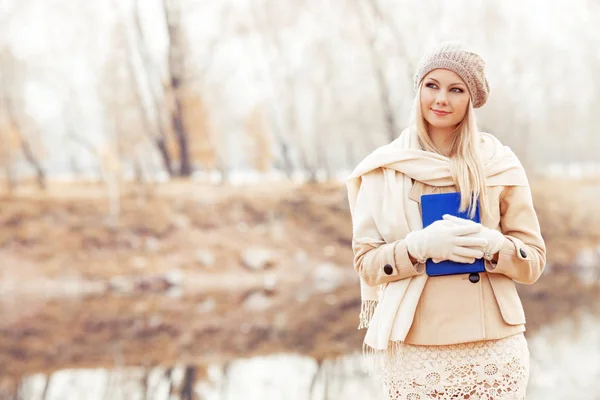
[(460, 59)]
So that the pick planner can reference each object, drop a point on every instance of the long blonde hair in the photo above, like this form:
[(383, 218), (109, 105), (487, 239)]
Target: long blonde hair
[(465, 161)]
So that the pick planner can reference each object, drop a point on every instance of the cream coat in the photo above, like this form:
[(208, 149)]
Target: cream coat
[(447, 309)]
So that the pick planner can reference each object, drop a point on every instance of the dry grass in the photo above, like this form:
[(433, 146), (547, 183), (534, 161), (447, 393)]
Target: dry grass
[(66, 233)]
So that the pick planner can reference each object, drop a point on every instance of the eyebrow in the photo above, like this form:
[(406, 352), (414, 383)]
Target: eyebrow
[(456, 83)]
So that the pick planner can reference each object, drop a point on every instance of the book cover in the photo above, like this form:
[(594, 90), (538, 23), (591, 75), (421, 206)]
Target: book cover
[(433, 207)]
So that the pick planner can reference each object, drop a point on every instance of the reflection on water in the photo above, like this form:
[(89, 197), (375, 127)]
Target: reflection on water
[(280, 376), (565, 360), (565, 365), (107, 343)]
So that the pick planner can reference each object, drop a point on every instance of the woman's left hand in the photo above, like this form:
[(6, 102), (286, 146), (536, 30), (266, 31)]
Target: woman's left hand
[(495, 238)]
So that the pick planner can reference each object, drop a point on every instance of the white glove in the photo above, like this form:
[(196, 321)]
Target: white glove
[(446, 240), (495, 238)]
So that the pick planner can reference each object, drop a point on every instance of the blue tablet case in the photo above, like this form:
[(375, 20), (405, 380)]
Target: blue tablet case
[(433, 207)]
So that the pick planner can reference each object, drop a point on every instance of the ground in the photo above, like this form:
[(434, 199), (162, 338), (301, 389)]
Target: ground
[(82, 288)]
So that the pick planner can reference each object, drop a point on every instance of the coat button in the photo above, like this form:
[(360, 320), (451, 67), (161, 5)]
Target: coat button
[(387, 268), (474, 277), (523, 253)]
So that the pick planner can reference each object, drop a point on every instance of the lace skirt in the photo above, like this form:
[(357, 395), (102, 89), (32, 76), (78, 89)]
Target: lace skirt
[(486, 370)]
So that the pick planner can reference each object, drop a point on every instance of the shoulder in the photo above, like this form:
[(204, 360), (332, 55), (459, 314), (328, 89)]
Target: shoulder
[(386, 154), (373, 162), (489, 146), (492, 149), (373, 179), (488, 139)]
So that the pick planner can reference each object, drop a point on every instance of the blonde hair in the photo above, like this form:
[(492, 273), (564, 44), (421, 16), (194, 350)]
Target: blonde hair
[(465, 161)]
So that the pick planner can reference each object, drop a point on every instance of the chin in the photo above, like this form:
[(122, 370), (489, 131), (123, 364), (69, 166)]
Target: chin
[(437, 124)]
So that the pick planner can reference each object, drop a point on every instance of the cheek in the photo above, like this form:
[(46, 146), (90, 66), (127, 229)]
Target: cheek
[(426, 100)]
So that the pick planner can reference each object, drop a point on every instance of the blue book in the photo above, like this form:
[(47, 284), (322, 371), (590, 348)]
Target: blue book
[(433, 207)]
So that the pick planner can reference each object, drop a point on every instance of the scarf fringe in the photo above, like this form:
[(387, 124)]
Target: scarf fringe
[(367, 308), (382, 362)]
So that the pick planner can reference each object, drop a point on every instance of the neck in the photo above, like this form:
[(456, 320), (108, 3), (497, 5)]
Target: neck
[(442, 138)]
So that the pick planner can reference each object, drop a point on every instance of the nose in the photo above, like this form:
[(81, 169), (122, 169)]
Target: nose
[(441, 98)]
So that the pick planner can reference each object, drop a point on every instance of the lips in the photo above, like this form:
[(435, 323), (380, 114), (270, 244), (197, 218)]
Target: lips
[(439, 112)]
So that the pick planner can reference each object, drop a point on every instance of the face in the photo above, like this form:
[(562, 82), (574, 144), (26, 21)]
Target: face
[(444, 98)]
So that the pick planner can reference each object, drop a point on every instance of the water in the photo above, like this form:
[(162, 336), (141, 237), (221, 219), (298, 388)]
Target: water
[(565, 364)]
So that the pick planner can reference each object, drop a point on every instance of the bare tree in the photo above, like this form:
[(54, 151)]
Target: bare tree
[(11, 93), (170, 93), (8, 148), (322, 93), (386, 20), (89, 147), (258, 140), (282, 110), (206, 139), (176, 73), (378, 68), (145, 77), (203, 149), (125, 121)]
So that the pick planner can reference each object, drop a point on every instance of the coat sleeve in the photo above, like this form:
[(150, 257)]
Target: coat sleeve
[(376, 261), (523, 255)]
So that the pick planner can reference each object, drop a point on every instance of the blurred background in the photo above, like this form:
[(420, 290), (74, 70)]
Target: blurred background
[(173, 217)]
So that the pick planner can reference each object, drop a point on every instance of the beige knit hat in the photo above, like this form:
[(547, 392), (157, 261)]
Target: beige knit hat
[(460, 59)]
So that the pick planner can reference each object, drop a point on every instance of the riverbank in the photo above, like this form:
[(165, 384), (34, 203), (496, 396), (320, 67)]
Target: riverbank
[(195, 273)]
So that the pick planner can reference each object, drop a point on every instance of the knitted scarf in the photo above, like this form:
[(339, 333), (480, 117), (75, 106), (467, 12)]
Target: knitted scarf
[(388, 310)]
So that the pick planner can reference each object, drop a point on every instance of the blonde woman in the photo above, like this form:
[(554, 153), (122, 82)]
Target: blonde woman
[(457, 336)]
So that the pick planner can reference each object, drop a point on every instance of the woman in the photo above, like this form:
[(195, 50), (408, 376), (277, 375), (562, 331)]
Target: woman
[(451, 336)]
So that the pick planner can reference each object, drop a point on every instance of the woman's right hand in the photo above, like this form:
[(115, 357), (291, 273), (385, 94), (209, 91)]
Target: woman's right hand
[(446, 240)]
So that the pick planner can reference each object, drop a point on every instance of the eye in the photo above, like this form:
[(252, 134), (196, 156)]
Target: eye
[(431, 85), (458, 90)]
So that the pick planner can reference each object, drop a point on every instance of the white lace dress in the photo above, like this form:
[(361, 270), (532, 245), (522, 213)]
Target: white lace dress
[(486, 370)]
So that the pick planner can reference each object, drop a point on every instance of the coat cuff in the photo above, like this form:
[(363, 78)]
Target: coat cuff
[(514, 254), (404, 267), (387, 263)]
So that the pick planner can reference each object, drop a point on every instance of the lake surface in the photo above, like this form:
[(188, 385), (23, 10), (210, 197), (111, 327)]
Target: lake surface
[(565, 364)]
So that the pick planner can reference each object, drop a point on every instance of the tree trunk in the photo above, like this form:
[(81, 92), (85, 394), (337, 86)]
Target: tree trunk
[(138, 171), (35, 163), (222, 169), (86, 144), (397, 36), (165, 156), (176, 74), (185, 167), (279, 128), (25, 146), (153, 123), (288, 166), (7, 164), (384, 96)]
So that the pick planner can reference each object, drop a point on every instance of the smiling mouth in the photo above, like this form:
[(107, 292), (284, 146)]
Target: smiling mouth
[(437, 112)]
